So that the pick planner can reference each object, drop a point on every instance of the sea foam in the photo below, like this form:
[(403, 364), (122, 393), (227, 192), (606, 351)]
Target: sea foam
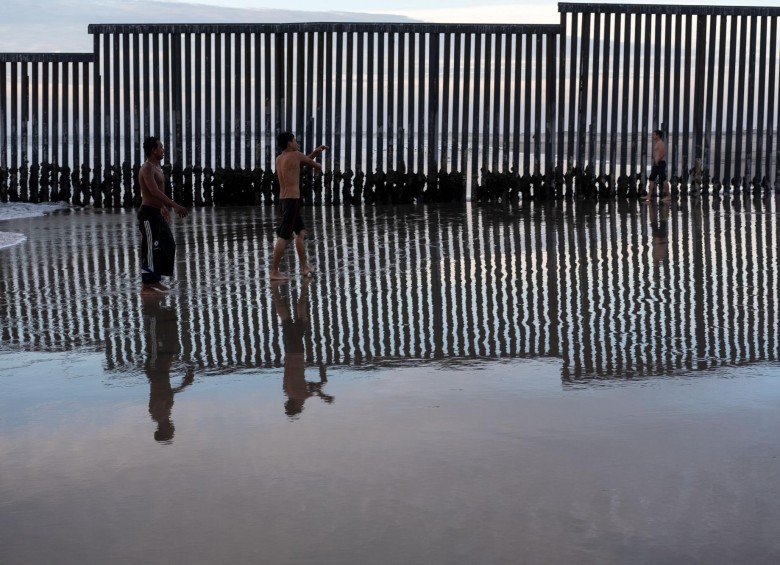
[(20, 210)]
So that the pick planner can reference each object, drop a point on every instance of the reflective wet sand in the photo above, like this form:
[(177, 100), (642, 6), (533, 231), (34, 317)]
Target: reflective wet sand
[(561, 383)]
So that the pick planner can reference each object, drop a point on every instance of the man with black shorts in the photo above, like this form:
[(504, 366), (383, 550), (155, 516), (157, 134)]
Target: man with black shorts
[(158, 249), (288, 168), (658, 171)]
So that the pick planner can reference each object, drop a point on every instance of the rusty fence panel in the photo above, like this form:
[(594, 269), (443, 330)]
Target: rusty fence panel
[(41, 105), (705, 75), (428, 112), (436, 105)]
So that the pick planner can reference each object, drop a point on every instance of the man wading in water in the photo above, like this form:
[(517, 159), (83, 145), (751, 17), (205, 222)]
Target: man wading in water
[(288, 168), (658, 172), (158, 249)]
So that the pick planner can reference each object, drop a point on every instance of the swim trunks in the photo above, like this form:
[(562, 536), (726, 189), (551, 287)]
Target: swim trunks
[(158, 249), (291, 218), (659, 230), (293, 333), (658, 172)]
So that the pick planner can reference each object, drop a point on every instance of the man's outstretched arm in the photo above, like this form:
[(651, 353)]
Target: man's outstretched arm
[(317, 151)]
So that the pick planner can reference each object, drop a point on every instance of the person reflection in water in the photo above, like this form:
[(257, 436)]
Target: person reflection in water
[(296, 387), (162, 349), (659, 225)]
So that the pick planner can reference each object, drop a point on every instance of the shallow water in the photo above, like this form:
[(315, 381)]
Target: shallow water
[(569, 383)]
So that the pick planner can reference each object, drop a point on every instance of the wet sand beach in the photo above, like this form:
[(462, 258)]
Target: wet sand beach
[(568, 382)]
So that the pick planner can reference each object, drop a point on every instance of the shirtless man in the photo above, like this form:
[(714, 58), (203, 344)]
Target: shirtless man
[(158, 249), (288, 167), (658, 172)]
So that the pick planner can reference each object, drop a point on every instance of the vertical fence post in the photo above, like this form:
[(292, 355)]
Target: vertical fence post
[(773, 110), (582, 103), (219, 83), (743, 83), (729, 125), (506, 111), (706, 171), (338, 106), (15, 165), (247, 103), (718, 170), (87, 134), (444, 99), (478, 37), (539, 104), (137, 65), (684, 120), (698, 103), (198, 128), (227, 82), (3, 128), (97, 130), (75, 125), (25, 130), (401, 104), (268, 99), (63, 192), (595, 102), (422, 56), (349, 83), (360, 106), (456, 103), (258, 101), (391, 80), (370, 109), (549, 115), (176, 88), (465, 108), (528, 103), (751, 88), (517, 105), (761, 87), (238, 76), (410, 120), (433, 107)]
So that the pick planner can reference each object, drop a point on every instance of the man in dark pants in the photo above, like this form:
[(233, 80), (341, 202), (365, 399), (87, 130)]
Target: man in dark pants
[(158, 249)]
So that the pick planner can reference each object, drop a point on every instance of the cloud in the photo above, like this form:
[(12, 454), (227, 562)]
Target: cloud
[(491, 14), (61, 25)]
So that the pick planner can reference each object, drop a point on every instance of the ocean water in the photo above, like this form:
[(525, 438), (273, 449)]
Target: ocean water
[(18, 210), (568, 382)]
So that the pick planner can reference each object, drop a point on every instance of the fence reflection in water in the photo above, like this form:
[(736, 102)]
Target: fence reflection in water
[(614, 289)]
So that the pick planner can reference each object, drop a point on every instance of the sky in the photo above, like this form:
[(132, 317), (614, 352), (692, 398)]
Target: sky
[(457, 11), (61, 25)]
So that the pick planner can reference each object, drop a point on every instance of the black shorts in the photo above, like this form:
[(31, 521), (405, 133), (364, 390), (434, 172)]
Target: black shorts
[(291, 218), (658, 172), (158, 249)]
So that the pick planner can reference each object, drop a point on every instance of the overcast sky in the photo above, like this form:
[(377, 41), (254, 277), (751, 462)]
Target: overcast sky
[(61, 25), (463, 11)]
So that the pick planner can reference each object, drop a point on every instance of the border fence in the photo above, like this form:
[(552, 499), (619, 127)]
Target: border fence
[(427, 112)]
